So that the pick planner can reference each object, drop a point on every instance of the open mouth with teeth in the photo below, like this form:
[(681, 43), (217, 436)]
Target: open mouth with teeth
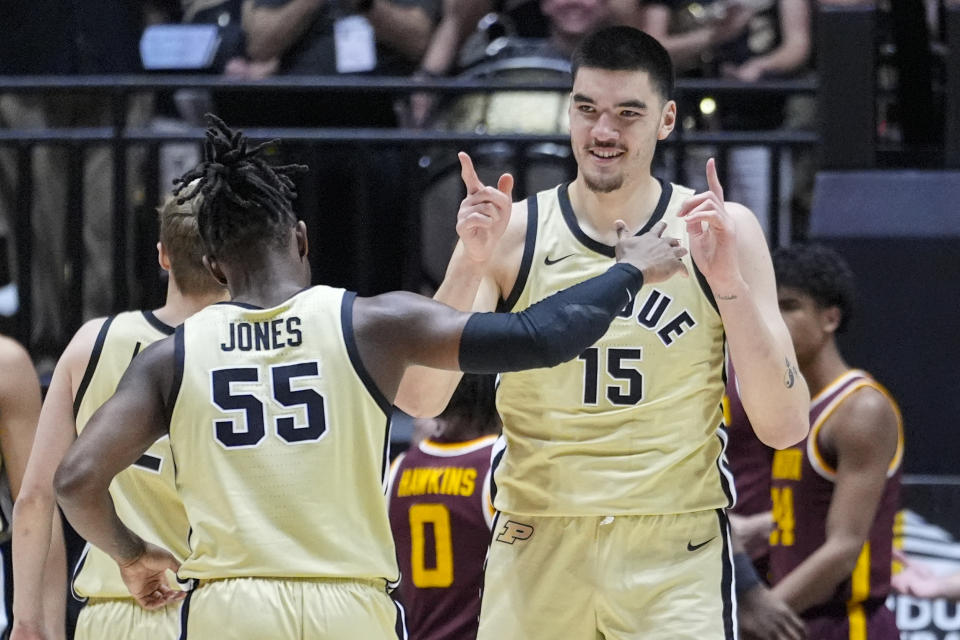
[(606, 154)]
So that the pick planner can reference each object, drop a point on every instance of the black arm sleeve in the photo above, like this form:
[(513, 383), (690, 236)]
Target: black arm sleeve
[(552, 331)]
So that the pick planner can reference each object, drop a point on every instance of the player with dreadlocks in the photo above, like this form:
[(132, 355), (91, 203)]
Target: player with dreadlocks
[(277, 406)]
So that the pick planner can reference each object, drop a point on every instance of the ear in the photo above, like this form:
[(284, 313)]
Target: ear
[(163, 257), (214, 268), (830, 319), (302, 244), (668, 119)]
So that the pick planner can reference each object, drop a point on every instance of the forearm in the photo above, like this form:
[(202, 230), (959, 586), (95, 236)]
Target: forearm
[(90, 510), (687, 49), (442, 51), (32, 530), (552, 331), (774, 393), (684, 48), (425, 392), (788, 58), (816, 579), (406, 30), (271, 31), (55, 583)]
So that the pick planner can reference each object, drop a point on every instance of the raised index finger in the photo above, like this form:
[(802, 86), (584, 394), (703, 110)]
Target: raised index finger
[(469, 174), (713, 180)]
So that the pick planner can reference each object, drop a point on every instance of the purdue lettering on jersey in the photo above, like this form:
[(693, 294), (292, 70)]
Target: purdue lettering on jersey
[(145, 493), (280, 439), (631, 426)]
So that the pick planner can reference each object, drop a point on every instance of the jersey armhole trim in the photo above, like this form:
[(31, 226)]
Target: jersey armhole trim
[(349, 341), (529, 244), (91, 365), (707, 291)]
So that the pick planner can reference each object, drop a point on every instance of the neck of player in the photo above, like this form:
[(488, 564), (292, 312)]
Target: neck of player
[(179, 306), (823, 367), (597, 213), (269, 274)]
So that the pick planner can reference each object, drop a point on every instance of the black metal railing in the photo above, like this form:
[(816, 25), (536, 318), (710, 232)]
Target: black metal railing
[(121, 137)]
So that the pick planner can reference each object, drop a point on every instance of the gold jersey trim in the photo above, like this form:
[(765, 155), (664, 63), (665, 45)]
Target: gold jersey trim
[(817, 460)]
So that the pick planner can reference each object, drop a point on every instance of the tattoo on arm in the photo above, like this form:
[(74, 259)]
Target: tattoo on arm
[(790, 376), (730, 297)]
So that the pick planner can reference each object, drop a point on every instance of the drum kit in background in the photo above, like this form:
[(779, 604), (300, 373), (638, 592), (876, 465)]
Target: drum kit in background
[(509, 60)]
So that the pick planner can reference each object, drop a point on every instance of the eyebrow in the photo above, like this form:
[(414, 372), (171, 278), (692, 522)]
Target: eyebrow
[(634, 104)]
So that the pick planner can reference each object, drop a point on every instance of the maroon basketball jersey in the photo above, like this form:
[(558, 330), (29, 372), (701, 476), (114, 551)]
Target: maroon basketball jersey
[(802, 488), (440, 512), (748, 458)]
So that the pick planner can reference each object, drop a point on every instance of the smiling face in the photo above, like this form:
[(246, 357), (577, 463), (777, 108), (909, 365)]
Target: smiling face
[(616, 119)]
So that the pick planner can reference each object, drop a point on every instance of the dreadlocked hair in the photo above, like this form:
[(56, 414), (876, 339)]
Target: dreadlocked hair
[(243, 199)]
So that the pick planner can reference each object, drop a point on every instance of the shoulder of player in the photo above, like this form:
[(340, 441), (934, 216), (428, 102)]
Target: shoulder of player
[(754, 255), (155, 366), (865, 421), (12, 354), (75, 358), (747, 226)]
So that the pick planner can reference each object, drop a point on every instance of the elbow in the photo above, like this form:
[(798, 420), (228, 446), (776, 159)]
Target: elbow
[(787, 432), (418, 408), (555, 358), (845, 554), (74, 478), (31, 501)]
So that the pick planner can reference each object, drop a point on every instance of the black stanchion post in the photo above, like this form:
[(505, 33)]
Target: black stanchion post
[(847, 96), (23, 232), (953, 84), (73, 233), (773, 220), (149, 293), (121, 293)]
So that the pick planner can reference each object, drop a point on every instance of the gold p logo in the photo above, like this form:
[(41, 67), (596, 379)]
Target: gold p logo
[(513, 531)]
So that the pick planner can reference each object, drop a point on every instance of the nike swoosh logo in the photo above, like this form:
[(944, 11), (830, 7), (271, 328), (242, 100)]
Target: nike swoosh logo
[(694, 547), (547, 261)]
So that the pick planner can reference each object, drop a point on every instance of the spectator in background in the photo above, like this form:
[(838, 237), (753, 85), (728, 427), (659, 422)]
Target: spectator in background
[(747, 40), (49, 37), (443, 483), (554, 27), (339, 198), (327, 37)]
